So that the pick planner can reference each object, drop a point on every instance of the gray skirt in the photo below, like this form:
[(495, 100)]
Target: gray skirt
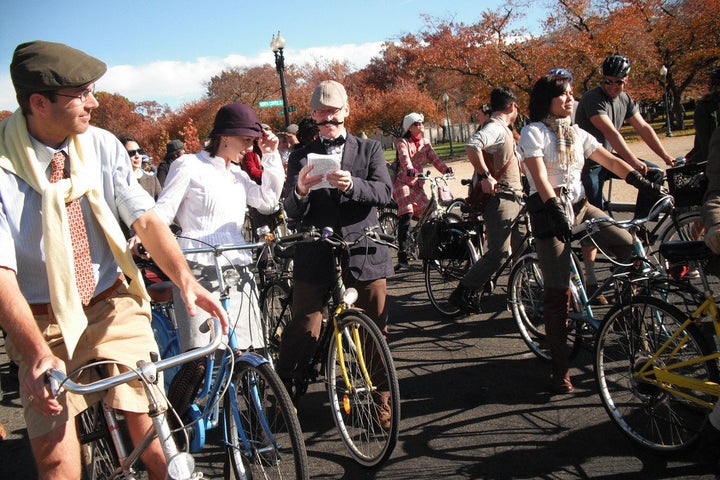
[(243, 311)]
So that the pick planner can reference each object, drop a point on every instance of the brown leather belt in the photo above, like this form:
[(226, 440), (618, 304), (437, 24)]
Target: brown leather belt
[(44, 308)]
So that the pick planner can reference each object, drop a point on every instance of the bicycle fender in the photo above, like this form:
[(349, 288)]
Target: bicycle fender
[(197, 442), (252, 358)]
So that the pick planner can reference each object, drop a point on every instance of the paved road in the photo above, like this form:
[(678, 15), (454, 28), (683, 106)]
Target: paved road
[(474, 402)]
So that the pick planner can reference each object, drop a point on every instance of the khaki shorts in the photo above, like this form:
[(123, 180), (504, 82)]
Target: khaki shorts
[(119, 330)]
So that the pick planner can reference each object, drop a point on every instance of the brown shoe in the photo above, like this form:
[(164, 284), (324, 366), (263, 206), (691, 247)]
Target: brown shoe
[(600, 299), (383, 410), (384, 416), (561, 384)]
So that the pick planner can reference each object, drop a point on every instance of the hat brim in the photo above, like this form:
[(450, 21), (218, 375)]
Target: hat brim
[(238, 131)]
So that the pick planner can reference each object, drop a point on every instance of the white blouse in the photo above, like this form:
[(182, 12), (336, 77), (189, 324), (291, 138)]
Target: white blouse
[(538, 140), (208, 200)]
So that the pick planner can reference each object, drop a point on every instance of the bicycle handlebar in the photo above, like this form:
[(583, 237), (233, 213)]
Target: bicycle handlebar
[(328, 235), (428, 176), (218, 249), (591, 226), (58, 380)]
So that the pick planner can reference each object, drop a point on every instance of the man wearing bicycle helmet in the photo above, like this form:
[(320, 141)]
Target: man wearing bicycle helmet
[(707, 118), (602, 111)]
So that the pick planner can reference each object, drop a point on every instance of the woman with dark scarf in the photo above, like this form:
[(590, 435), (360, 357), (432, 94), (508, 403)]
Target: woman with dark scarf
[(554, 152), (414, 151)]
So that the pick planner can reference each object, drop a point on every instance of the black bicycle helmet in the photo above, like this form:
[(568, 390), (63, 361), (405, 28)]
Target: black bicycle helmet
[(616, 66), (715, 76)]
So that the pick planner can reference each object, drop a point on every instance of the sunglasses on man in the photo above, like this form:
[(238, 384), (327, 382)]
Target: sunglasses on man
[(607, 81)]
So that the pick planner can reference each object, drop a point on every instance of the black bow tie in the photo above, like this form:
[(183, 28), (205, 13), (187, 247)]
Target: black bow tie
[(335, 142)]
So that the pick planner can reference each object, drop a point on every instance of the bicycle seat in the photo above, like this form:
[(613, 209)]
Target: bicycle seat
[(693, 251), (160, 292)]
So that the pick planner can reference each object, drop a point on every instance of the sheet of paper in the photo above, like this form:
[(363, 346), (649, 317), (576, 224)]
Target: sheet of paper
[(322, 165)]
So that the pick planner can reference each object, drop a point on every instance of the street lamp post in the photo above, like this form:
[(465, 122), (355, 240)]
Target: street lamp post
[(277, 45), (448, 124), (663, 79)]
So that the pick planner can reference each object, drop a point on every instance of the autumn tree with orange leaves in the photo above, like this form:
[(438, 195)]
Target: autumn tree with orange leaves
[(466, 60)]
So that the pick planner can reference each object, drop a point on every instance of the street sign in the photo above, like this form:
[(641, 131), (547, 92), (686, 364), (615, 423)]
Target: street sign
[(291, 108), (270, 103)]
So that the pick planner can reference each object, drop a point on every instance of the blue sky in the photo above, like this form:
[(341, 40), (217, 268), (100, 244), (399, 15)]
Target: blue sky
[(164, 50)]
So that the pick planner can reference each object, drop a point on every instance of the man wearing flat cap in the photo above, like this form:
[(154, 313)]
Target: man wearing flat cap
[(70, 292), (173, 150), (348, 205)]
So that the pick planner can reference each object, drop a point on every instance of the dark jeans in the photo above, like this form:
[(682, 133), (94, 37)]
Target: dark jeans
[(594, 176)]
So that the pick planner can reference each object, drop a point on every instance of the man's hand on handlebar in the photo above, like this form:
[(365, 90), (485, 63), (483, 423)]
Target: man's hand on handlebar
[(34, 385)]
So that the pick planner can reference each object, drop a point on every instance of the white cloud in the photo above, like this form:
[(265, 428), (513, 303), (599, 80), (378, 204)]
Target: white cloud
[(176, 82)]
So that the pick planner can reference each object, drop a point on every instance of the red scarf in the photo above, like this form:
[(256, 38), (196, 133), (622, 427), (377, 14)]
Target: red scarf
[(417, 140)]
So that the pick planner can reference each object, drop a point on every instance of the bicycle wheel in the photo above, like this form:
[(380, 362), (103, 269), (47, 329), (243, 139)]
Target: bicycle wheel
[(276, 310), (651, 412), (525, 294), (363, 389), (262, 431), (456, 209), (689, 227), (389, 223), (442, 276), (98, 455)]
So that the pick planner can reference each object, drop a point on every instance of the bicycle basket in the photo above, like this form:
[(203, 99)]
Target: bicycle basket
[(440, 239), (687, 184)]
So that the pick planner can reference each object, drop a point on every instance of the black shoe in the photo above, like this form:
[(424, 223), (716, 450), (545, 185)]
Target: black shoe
[(403, 263), (465, 299)]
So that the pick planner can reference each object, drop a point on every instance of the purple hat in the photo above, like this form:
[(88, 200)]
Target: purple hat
[(236, 119)]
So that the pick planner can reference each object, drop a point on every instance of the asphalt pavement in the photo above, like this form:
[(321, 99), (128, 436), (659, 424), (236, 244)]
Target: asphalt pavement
[(475, 405)]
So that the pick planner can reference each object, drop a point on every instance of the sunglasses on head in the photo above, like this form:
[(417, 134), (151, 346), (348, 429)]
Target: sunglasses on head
[(132, 153), (607, 81)]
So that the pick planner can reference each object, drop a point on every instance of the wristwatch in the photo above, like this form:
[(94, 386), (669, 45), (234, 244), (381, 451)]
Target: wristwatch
[(484, 175)]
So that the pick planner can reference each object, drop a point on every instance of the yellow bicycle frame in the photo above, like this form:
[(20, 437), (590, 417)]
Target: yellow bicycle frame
[(664, 378), (341, 353)]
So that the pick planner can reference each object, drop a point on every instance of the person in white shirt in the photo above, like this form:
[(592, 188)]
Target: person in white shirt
[(554, 153), (207, 195)]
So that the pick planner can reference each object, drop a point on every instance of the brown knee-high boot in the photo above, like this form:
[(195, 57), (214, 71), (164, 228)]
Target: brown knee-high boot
[(555, 310)]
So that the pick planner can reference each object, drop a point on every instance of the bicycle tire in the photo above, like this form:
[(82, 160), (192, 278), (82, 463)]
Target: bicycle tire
[(647, 413), (276, 311), (683, 231), (389, 222), (456, 208), (99, 458), (258, 398), (442, 276), (525, 293), (689, 227), (357, 412)]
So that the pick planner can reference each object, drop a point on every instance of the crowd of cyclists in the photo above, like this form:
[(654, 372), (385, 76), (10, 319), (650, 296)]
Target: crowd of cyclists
[(329, 178)]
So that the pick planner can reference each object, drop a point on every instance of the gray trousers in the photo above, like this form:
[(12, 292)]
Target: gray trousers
[(498, 216)]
